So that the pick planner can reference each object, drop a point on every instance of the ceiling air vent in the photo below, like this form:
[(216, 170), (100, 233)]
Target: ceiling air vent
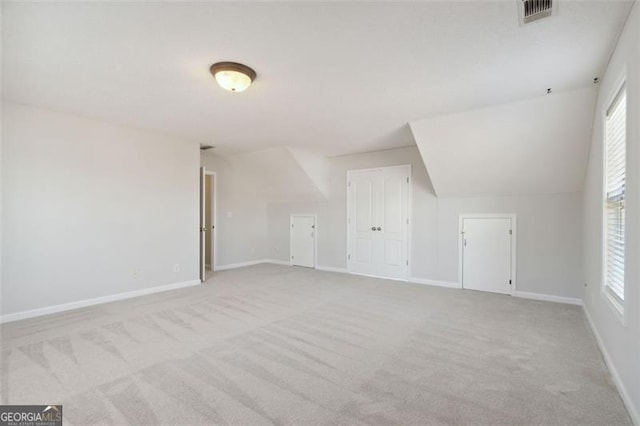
[(532, 10)]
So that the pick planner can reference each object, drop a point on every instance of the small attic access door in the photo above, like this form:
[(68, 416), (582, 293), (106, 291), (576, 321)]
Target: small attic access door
[(488, 253), (303, 240)]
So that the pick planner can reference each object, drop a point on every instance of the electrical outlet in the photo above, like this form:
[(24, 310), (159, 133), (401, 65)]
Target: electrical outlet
[(176, 267), (275, 249), (253, 250), (135, 273)]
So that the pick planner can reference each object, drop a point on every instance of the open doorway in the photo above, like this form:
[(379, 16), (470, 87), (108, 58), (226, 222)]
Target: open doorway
[(207, 224), (209, 215)]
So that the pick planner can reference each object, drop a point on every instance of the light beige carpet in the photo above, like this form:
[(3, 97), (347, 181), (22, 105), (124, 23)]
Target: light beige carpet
[(280, 345)]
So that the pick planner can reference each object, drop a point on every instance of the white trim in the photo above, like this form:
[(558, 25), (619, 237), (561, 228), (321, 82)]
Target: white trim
[(620, 81), (239, 265), (332, 269), (376, 169), (95, 301), (548, 298), (214, 212), (447, 284), (632, 409), (277, 262), (414, 280), (514, 240), (202, 233), (315, 235), (410, 220), (404, 280), (617, 307)]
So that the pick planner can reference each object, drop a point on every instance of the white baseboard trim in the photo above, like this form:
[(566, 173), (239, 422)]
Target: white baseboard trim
[(238, 265), (332, 269), (448, 284), (95, 301), (634, 412), (277, 262), (548, 298)]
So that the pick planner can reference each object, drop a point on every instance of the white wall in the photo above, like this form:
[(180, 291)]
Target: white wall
[(331, 227), (278, 226), (241, 226), (549, 227), (621, 341), (315, 166), (531, 146), (92, 209), (548, 239)]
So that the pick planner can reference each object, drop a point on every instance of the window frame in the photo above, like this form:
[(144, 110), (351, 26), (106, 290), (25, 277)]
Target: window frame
[(613, 300)]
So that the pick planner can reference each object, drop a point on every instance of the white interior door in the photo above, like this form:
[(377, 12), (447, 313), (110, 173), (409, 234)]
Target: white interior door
[(486, 254), (377, 222), (202, 224), (392, 223), (362, 227), (303, 240)]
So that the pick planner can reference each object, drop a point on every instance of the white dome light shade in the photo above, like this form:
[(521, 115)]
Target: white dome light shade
[(232, 76), (233, 81)]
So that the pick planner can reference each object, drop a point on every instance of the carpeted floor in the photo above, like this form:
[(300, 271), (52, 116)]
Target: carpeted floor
[(282, 345)]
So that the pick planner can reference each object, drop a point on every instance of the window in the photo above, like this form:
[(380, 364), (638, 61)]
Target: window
[(615, 195)]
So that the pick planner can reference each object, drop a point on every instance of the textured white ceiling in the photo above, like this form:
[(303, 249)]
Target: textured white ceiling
[(333, 77), (535, 146)]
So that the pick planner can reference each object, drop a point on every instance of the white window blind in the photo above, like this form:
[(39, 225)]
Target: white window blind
[(615, 174)]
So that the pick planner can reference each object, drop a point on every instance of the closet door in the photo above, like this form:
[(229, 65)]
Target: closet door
[(377, 222), (361, 223), (392, 220)]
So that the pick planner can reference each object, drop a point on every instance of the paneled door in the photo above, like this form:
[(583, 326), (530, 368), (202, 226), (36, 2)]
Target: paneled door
[(378, 221)]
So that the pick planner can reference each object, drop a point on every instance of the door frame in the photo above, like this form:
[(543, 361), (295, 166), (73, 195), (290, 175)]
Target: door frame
[(202, 249), (201, 231), (514, 240), (315, 236), (214, 213), (409, 215)]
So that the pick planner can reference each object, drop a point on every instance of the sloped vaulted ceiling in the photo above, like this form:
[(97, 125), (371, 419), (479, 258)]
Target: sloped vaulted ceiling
[(333, 77), (534, 146), (281, 173)]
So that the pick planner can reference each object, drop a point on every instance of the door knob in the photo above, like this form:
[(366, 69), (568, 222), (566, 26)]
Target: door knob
[(378, 229), (373, 228)]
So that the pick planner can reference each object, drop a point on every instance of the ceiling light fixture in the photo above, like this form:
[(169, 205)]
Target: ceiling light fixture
[(233, 76)]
